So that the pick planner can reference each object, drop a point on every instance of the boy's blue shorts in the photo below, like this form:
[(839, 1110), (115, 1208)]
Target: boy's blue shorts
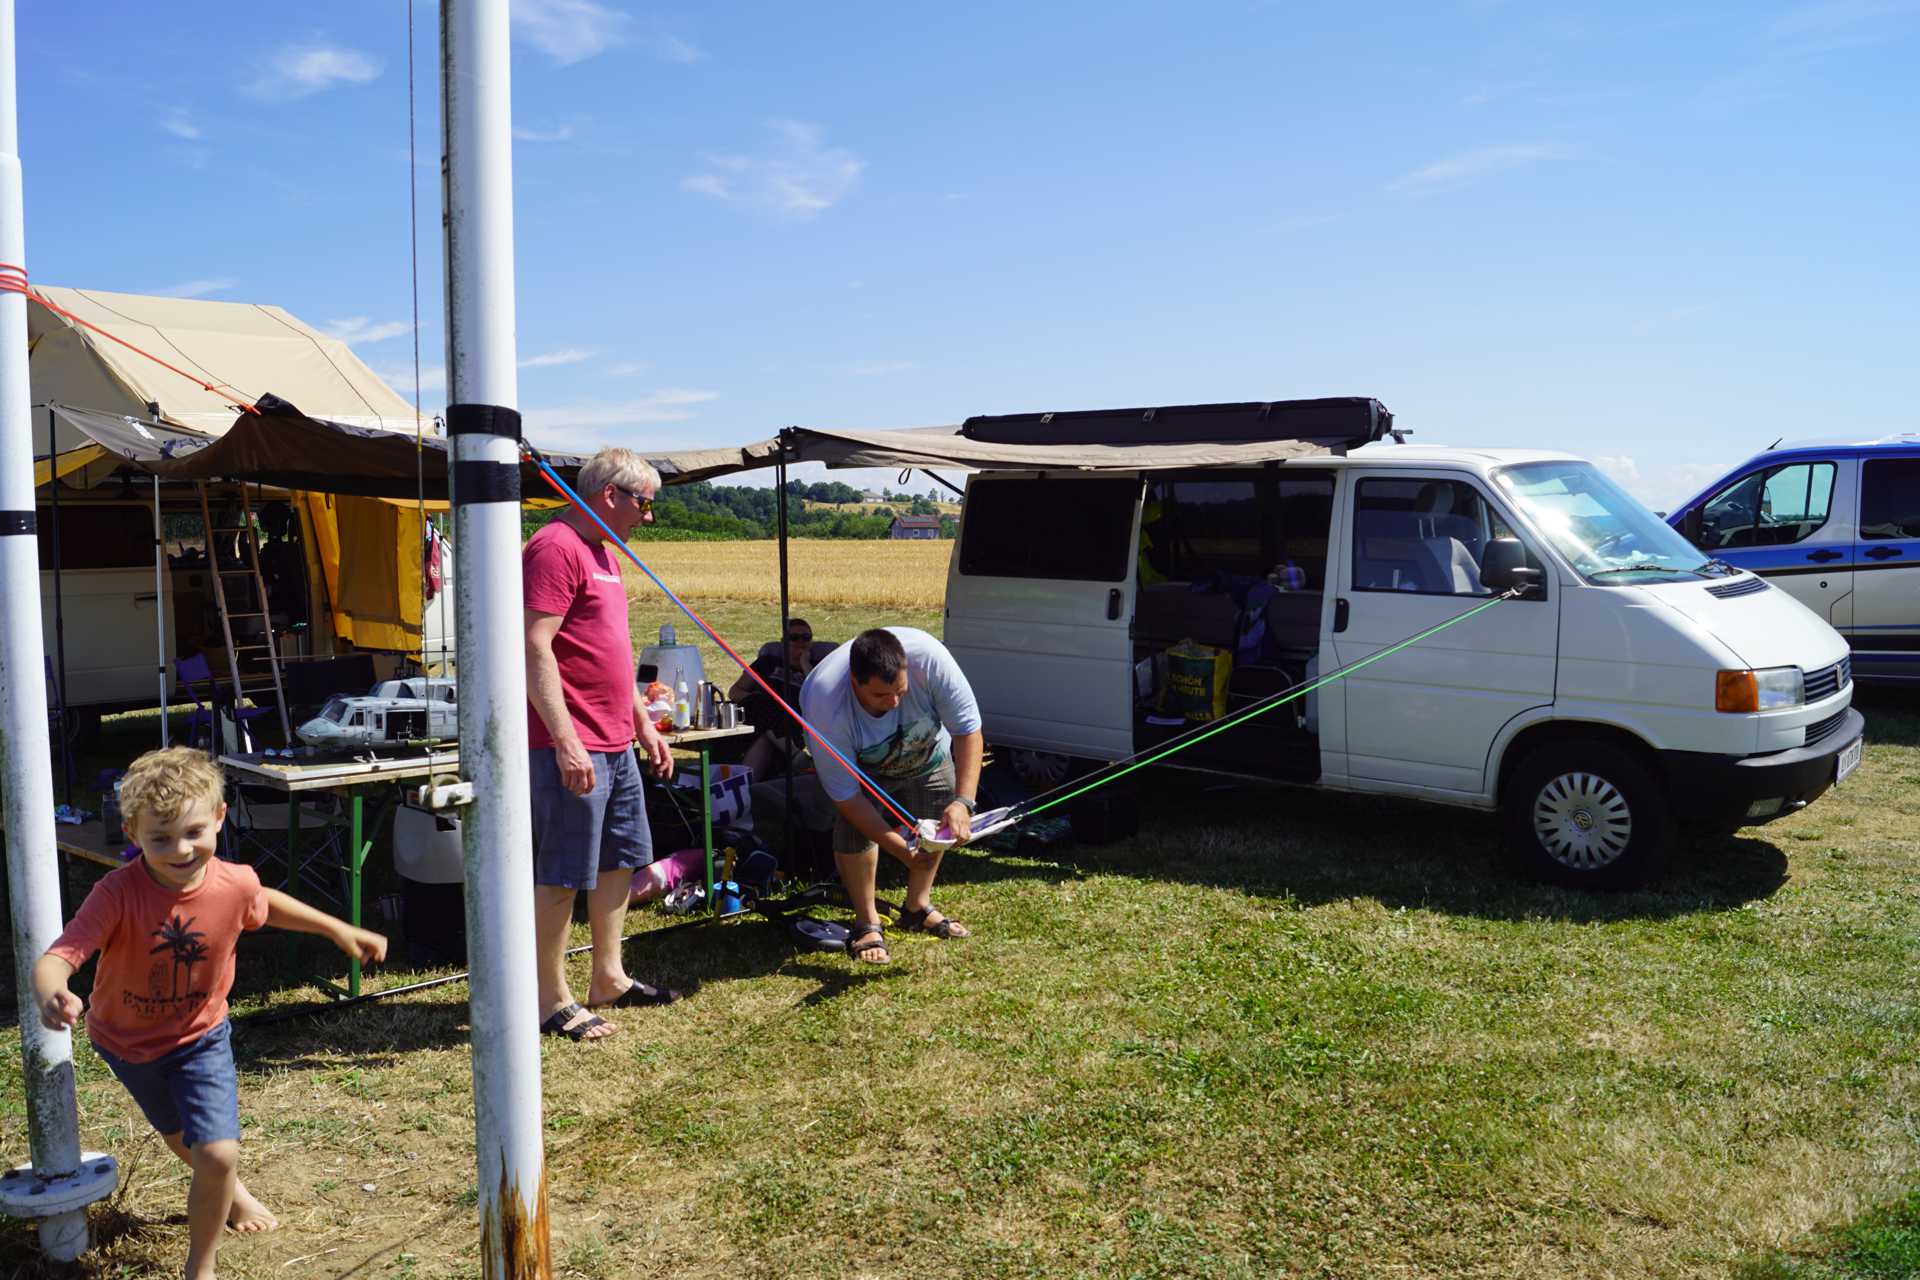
[(193, 1091)]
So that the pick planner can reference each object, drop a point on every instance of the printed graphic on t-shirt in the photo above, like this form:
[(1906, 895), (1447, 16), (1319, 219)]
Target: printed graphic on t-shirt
[(908, 752), (178, 948)]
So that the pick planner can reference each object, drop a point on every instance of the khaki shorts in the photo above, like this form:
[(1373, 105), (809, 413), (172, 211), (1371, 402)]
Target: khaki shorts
[(924, 797)]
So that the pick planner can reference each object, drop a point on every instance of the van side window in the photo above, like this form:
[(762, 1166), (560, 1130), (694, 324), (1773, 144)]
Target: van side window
[(1039, 528), (97, 537), (1890, 499), (1195, 529), (1422, 536), (1769, 508)]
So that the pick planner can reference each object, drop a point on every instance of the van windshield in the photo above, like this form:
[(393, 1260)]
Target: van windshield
[(1607, 536)]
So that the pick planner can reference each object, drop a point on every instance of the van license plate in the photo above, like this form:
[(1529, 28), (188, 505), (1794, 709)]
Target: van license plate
[(1849, 761)]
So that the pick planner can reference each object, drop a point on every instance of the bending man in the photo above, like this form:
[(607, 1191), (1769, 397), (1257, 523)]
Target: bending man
[(896, 704)]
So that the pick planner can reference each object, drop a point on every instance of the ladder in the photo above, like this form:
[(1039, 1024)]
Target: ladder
[(249, 541)]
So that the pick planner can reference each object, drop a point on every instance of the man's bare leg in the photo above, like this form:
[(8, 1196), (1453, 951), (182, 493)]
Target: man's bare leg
[(607, 917), (857, 874), (247, 1213), (552, 917)]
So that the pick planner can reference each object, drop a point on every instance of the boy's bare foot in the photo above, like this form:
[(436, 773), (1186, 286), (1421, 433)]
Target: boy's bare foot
[(248, 1214)]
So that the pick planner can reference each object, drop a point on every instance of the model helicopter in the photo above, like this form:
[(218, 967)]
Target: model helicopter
[(420, 709)]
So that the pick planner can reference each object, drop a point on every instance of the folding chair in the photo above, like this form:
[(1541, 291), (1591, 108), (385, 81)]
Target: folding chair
[(259, 831), (204, 719)]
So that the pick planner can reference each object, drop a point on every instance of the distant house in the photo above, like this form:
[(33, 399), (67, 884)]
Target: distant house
[(914, 527)]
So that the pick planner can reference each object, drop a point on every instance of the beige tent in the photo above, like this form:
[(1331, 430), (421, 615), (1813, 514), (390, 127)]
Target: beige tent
[(223, 354), (195, 365)]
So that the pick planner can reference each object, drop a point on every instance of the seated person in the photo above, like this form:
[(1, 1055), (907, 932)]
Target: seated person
[(778, 737)]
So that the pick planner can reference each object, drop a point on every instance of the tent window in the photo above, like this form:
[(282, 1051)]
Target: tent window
[(94, 537)]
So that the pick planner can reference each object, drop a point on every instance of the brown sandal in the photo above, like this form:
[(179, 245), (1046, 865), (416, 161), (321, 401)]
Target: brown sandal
[(876, 940), (945, 927)]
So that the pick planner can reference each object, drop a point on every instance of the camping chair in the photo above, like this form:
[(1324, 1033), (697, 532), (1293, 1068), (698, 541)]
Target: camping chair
[(203, 720), (259, 831)]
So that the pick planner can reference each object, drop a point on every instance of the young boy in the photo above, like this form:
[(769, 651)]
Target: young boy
[(165, 926)]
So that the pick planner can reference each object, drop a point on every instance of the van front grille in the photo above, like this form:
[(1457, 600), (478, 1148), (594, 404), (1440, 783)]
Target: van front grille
[(1821, 730), (1739, 587), (1828, 681)]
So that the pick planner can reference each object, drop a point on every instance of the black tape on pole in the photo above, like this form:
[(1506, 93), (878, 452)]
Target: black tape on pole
[(485, 482), (16, 522), (483, 420)]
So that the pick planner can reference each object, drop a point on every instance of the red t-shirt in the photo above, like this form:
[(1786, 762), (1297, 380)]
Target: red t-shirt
[(580, 582), (166, 957)]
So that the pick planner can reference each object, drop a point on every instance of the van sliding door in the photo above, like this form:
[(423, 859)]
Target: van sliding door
[(1040, 609)]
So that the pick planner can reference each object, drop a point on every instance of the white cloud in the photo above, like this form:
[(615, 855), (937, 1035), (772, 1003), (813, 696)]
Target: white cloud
[(567, 355), (1478, 163), (562, 134), (297, 70), (798, 175), (674, 49), (1661, 485), (569, 31), (196, 288), (583, 428), (628, 368), (178, 123), (357, 330)]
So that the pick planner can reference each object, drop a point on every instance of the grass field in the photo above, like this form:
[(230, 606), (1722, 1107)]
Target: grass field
[(1275, 1033)]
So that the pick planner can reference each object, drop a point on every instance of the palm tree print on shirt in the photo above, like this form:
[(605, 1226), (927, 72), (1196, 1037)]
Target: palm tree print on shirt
[(178, 937)]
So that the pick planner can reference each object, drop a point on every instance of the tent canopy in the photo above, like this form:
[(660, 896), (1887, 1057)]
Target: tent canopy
[(242, 350), (1160, 439)]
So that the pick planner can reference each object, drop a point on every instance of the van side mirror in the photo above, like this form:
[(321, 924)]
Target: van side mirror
[(1504, 567), (1690, 526)]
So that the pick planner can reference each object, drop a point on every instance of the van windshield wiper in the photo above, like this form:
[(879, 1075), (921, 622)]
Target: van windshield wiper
[(1646, 568)]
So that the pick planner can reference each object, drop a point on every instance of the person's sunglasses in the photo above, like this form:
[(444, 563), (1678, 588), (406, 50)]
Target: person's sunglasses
[(797, 638), (645, 504)]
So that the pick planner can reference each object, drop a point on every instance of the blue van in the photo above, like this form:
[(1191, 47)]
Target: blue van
[(1838, 527)]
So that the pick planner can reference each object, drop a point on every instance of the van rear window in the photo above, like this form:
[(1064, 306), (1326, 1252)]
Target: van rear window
[(1049, 528)]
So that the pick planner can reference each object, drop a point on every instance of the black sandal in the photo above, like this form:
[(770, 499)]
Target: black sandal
[(557, 1024), (876, 940), (945, 927)]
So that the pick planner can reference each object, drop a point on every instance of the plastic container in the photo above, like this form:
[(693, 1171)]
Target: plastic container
[(672, 664)]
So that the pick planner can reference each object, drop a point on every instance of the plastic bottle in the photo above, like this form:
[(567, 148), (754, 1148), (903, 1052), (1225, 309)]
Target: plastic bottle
[(682, 707), (666, 634)]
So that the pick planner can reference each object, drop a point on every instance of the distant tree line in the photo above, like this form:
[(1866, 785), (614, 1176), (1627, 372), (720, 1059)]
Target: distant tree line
[(702, 512)]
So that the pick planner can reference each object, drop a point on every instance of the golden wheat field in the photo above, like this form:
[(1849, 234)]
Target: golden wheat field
[(826, 571)]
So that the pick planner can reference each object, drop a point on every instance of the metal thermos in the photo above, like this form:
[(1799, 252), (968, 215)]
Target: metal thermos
[(705, 712), (729, 715)]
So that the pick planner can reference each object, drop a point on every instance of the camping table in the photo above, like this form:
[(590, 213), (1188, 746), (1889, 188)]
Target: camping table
[(353, 777), (88, 842)]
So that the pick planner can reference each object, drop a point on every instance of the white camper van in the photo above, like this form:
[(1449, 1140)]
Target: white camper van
[(1637, 689)]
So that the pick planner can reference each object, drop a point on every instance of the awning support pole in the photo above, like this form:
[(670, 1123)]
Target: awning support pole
[(786, 660), (59, 614), (26, 764), (497, 828), (160, 605)]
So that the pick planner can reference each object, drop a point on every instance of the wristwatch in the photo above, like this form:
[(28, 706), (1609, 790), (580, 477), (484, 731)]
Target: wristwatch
[(972, 805)]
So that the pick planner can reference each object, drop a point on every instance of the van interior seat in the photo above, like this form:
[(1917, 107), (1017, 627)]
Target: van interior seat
[(1293, 620), (1408, 551)]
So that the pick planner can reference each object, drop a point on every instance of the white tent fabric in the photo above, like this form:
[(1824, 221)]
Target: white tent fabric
[(244, 350)]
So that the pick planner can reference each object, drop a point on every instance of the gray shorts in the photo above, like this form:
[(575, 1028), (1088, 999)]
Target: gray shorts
[(924, 797), (575, 838)]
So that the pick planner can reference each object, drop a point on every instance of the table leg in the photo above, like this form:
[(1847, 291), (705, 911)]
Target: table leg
[(706, 820), (356, 858), (292, 882)]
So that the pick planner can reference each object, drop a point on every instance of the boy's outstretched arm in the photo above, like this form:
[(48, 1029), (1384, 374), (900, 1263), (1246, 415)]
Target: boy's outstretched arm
[(59, 1007), (285, 912)]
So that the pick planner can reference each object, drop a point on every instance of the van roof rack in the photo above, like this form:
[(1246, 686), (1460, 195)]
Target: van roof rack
[(1335, 422)]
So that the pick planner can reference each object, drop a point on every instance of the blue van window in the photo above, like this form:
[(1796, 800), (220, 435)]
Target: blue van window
[(1890, 499), (1769, 508)]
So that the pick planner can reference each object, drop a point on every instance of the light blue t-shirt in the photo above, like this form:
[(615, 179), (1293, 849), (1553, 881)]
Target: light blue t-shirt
[(910, 741)]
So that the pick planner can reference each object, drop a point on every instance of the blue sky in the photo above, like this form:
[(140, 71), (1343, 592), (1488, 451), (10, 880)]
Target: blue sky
[(1661, 236)]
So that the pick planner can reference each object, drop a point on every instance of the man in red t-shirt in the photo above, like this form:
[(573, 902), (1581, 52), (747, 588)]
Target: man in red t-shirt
[(589, 818)]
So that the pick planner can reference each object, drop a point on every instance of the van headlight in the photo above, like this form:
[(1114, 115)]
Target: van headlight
[(1768, 689)]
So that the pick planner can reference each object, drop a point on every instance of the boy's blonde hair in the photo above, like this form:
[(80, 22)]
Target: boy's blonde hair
[(161, 784)]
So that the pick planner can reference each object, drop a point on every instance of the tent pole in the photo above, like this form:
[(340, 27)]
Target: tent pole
[(497, 827), (786, 660), (26, 765), (59, 613), (160, 605)]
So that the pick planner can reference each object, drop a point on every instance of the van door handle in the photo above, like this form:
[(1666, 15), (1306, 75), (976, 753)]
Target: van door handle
[(1881, 553), (1339, 614), (1824, 556), (1113, 605)]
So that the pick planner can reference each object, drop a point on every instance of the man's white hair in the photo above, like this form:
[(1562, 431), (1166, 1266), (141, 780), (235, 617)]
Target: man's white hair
[(617, 466)]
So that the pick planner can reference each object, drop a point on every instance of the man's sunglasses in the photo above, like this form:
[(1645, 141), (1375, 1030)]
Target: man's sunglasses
[(645, 504), (798, 638)]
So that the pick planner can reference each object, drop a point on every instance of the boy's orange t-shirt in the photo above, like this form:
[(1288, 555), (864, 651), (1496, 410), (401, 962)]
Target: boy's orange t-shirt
[(166, 957)]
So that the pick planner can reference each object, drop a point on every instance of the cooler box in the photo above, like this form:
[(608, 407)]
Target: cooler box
[(433, 909)]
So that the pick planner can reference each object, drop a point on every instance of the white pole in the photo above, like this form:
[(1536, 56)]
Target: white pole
[(33, 874), (497, 831)]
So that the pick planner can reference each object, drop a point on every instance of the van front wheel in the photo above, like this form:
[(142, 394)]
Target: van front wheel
[(1588, 815)]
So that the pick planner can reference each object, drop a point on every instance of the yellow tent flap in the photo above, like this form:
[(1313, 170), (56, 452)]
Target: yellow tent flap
[(70, 461), (378, 604)]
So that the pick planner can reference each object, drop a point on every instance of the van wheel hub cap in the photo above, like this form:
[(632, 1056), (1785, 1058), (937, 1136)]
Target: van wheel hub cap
[(1582, 821)]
